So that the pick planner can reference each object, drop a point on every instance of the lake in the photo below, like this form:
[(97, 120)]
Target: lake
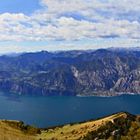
[(53, 111)]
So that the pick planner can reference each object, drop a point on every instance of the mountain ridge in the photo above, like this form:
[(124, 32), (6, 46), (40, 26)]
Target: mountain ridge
[(118, 126), (102, 72)]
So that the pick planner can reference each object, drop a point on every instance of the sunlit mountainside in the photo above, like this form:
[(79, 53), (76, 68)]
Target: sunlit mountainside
[(104, 72)]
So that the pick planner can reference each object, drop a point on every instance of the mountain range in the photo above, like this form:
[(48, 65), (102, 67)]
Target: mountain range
[(102, 72)]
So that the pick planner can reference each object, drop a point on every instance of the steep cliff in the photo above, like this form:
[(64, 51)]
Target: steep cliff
[(102, 72)]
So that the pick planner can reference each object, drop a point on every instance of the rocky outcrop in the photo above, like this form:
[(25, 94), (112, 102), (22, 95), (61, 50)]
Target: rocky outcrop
[(102, 72)]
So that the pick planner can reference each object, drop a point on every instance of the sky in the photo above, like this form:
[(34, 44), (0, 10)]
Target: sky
[(34, 25)]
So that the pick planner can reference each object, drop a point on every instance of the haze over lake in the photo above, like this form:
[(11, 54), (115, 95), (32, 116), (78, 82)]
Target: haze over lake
[(52, 111)]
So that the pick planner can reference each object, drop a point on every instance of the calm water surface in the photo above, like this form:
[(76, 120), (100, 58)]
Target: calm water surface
[(52, 111)]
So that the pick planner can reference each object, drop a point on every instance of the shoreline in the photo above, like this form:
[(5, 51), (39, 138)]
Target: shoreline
[(108, 96)]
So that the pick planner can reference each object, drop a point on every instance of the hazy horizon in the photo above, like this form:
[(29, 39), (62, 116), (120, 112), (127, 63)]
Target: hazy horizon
[(67, 50)]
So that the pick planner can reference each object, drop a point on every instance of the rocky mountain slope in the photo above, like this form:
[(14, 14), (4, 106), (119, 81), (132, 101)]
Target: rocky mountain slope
[(102, 72), (120, 126)]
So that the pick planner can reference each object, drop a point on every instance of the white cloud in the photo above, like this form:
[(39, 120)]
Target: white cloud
[(73, 20)]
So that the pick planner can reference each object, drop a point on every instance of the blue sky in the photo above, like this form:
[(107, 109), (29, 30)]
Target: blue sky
[(33, 25), (19, 6)]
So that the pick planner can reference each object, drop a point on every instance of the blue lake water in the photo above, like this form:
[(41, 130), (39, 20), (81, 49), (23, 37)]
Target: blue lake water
[(52, 111)]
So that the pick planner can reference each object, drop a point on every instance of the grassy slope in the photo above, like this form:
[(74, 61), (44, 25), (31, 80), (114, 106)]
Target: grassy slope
[(10, 133), (76, 131), (9, 129)]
